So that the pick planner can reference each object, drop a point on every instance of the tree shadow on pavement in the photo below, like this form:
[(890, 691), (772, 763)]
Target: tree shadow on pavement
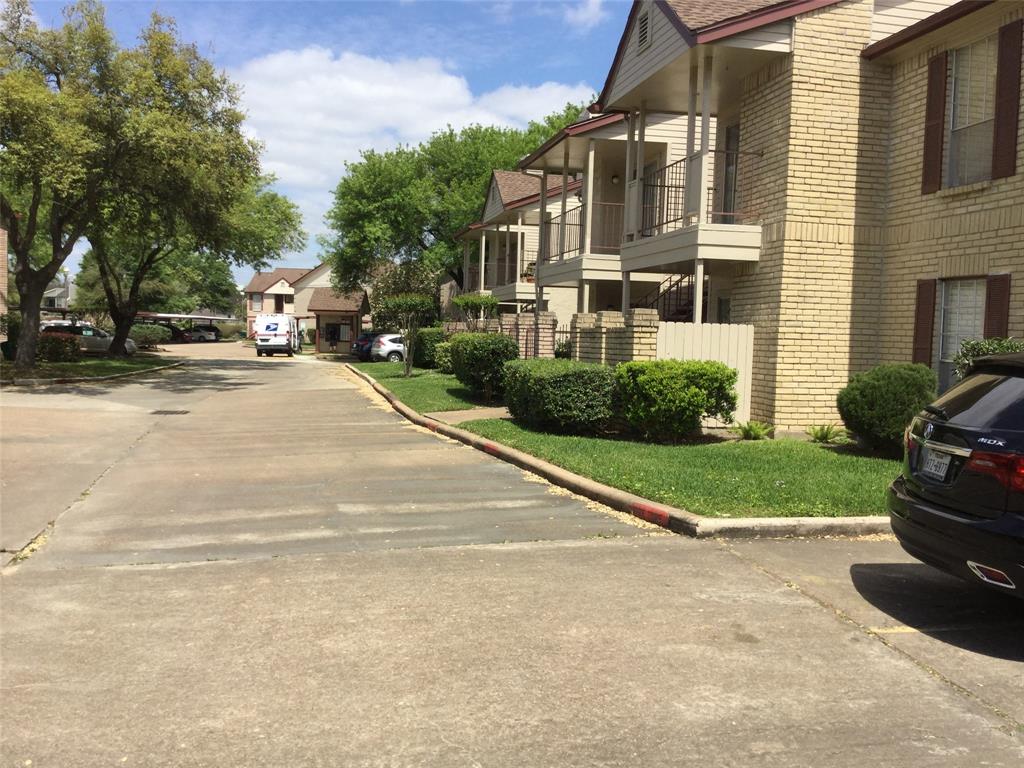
[(944, 607)]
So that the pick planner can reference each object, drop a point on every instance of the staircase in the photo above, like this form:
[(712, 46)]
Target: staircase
[(673, 299)]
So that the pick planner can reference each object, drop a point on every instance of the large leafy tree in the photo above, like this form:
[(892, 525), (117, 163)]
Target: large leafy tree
[(406, 205)]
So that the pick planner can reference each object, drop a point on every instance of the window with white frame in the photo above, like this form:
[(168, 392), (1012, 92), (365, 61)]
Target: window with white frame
[(960, 315), (972, 84), (257, 302)]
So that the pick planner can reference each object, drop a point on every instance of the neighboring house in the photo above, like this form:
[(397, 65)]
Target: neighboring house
[(271, 293), (316, 305), (581, 247), (59, 294), (866, 205), (506, 242)]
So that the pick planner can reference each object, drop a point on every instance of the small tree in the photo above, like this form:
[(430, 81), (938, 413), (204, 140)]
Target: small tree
[(475, 308), (412, 311)]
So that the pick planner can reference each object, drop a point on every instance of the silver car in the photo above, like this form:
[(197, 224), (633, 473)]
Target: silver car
[(90, 338), (388, 346)]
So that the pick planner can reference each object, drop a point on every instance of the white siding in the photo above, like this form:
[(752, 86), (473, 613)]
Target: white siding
[(891, 16), (773, 37), (636, 66), (493, 207)]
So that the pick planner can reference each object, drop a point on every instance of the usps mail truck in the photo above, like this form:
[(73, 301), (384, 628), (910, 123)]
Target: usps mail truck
[(276, 333)]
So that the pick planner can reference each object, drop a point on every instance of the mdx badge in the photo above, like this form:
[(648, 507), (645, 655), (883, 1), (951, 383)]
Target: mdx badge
[(992, 441)]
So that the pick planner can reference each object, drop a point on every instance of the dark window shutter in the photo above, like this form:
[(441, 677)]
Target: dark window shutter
[(934, 125), (997, 306), (924, 321), (1007, 106)]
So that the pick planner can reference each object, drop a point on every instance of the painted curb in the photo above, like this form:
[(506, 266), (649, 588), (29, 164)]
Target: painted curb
[(83, 379), (672, 518)]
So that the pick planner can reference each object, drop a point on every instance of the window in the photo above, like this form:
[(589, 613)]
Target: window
[(972, 84), (643, 30), (960, 314), (257, 302), (289, 299)]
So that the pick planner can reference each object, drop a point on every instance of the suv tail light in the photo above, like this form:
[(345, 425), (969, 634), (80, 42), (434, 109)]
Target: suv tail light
[(1007, 468)]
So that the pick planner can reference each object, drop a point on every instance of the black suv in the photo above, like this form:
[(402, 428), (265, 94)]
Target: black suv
[(959, 504)]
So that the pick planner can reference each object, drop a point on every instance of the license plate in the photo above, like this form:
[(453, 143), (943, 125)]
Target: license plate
[(934, 464)]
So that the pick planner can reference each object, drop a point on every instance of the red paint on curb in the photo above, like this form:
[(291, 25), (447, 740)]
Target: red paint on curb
[(650, 514), (492, 449)]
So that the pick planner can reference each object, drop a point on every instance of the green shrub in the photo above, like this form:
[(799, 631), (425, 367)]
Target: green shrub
[(971, 349), (443, 357), (666, 399), (560, 395), (231, 330), (424, 354), (563, 349), (477, 360), (878, 404), (475, 307), (148, 336), (58, 348), (754, 430), (826, 433), (310, 335), (11, 323)]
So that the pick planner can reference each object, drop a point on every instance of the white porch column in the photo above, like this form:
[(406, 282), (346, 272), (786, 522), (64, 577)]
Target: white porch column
[(508, 252), (583, 296), (625, 291), (483, 259), (641, 135), (705, 137), (465, 266), (520, 263), (495, 251), (691, 137), (698, 291), (565, 196), (629, 214), (588, 200), (541, 252)]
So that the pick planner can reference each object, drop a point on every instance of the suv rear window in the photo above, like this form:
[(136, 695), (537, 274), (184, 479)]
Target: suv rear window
[(987, 399)]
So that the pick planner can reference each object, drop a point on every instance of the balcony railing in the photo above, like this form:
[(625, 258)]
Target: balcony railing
[(668, 204), (606, 222), (554, 246)]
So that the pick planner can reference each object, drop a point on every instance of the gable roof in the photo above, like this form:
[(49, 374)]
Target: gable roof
[(576, 129), (310, 274), (705, 21), (326, 300), (515, 185), (263, 280)]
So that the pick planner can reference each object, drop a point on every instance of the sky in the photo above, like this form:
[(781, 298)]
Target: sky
[(322, 81)]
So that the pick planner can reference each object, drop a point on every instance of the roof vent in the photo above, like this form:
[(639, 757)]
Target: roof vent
[(643, 30)]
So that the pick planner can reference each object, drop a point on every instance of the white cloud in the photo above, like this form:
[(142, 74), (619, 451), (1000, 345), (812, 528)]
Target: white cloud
[(315, 110), (586, 14)]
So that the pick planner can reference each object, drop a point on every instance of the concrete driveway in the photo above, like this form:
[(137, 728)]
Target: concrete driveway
[(264, 565)]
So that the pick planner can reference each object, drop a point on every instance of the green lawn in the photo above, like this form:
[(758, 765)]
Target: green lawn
[(767, 478), (88, 366), (425, 391)]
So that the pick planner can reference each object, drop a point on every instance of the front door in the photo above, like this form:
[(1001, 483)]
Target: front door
[(279, 304)]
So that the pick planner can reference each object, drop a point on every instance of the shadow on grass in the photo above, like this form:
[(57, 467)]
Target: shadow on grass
[(854, 449), (472, 398), (951, 610)]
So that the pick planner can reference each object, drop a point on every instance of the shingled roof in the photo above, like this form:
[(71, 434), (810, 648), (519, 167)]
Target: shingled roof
[(326, 300), (515, 185), (263, 280), (698, 14)]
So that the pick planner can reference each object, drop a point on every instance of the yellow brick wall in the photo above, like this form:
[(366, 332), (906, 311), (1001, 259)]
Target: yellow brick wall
[(970, 231)]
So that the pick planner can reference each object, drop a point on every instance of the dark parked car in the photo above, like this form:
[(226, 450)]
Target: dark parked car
[(364, 341), (959, 504)]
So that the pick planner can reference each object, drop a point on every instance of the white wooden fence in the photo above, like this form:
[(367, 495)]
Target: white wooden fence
[(729, 344)]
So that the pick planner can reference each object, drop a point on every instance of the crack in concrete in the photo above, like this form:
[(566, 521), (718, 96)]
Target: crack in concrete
[(1011, 726)]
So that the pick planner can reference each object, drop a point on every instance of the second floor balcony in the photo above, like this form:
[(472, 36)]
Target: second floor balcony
[(566, 235)]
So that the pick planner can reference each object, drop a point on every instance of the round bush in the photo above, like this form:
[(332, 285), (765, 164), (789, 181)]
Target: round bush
[(478, 360), (560, 395), (424, 353), (877, 405), (666, 399), (58, 348), (147, 336), (443, 357)]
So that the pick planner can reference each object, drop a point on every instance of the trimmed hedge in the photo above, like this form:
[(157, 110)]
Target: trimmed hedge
[(58, 348), (443, 357), (147, 335), (560, 395), (478, 360), (877, 405), (972, 349), (424, 353), (666, 399)]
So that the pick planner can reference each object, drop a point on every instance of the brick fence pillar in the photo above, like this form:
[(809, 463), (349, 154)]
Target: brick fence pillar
[(546, 324), (612, 330), (642, 333), (582, 336)]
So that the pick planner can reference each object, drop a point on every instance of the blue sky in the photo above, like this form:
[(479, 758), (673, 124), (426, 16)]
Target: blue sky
[(323, 80)]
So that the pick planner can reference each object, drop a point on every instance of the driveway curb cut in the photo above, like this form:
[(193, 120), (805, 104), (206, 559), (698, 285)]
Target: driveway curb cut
[(672, 518), (83, 379)]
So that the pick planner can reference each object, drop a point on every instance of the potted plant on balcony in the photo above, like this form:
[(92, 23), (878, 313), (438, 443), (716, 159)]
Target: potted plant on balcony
[(527, 276)]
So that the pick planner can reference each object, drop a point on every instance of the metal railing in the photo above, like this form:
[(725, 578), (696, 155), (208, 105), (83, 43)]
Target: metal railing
[(673, 298), (663, 198), (606, 222), (573, 226)]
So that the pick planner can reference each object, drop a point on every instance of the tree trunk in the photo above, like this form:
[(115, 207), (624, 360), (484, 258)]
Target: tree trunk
[(410, 344), (31, 301), (122, 327)]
